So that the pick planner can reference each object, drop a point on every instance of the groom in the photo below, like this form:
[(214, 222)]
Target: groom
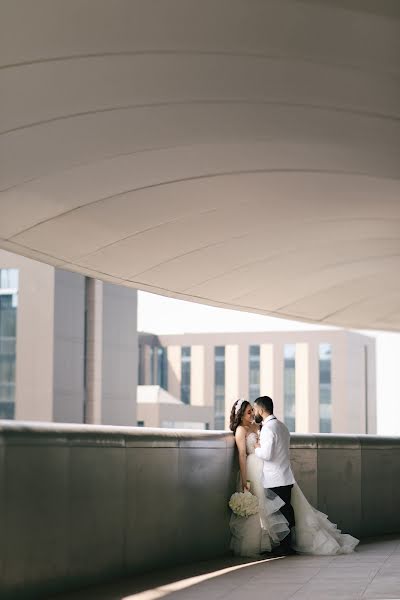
[(273, 449)]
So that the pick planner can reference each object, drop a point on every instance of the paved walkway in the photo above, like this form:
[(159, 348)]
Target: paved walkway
[(371, 573)]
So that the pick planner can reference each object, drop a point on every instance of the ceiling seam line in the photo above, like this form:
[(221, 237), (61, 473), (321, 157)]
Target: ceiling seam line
[(203, 177), (216, 102)]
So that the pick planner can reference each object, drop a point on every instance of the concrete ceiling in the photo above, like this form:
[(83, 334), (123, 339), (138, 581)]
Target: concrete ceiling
[(242, 153)]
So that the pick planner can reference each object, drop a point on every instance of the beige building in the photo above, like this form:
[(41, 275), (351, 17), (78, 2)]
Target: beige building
[(68, 346), (321, 381), (158, 408)]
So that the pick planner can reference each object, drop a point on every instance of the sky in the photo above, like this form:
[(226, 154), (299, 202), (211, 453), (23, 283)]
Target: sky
[(162, 315)]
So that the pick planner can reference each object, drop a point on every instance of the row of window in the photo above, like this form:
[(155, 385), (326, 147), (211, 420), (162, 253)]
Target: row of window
[(159, 376), (159, 370), (8, 336), (289, 385)]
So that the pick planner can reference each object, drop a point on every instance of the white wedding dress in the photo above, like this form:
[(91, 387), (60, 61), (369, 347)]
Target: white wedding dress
[(260, 532), (313, 534)]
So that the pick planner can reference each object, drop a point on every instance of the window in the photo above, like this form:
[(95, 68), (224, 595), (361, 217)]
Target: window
[(289, 386), (8, 337), (219, 387), (254, 372), (140, 423), (162, 368), (185, 374), (152, 352), (325, 388), (9, 280)]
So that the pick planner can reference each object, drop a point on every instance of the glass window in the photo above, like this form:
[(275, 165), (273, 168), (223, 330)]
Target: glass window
[(7, 410), (254, 372), (325, 388), (289, 386), (219, 387), (140, 368), (152, 352), (185, 373), (8, 336), (162, 368), (9, 279)]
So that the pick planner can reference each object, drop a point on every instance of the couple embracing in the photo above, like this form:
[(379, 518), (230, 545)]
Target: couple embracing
[(286, 522)]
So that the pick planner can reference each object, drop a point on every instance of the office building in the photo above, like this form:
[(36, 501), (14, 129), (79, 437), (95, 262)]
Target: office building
[(68, 346), (320, 381)]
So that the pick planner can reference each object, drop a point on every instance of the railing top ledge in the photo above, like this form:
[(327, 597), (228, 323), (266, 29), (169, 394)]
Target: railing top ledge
[(43, 433), (324, 440), (379, 442), (36, 433), (343, 441)]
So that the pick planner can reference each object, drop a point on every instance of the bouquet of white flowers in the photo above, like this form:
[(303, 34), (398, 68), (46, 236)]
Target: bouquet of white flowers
[(244, 504)]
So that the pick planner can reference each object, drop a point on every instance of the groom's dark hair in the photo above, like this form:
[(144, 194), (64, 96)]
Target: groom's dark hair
[(266, 404)]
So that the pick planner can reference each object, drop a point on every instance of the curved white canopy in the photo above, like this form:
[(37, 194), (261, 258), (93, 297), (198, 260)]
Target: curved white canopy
[(242, 153)]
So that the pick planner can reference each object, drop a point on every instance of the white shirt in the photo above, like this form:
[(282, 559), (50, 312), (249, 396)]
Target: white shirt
[(275, 452)]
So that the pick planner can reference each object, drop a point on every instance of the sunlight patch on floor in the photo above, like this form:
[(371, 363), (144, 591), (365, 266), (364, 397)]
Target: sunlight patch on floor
[(177, 586)]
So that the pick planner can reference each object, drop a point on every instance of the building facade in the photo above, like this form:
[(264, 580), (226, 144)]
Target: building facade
[(68, 346), (320, 381), (158, 408)]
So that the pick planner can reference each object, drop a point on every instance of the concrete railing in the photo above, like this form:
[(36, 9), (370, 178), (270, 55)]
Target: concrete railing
[(82, 504)]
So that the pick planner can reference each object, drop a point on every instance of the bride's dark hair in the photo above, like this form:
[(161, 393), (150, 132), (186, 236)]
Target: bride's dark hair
[(236, 418)]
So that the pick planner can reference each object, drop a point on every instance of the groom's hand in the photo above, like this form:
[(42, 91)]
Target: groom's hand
[(257, 445)]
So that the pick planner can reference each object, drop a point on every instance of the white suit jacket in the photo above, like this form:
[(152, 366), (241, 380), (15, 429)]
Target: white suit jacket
[(275, 452)]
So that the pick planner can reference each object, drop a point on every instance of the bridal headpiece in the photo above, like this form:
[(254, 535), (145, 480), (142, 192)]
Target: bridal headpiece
[(238, 405)]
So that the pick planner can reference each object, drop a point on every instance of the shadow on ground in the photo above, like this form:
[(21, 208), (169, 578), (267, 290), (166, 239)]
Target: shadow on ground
[(372, 572)]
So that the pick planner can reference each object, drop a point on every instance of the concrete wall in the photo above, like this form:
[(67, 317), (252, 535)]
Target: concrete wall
[(85, 503), (81, 504)]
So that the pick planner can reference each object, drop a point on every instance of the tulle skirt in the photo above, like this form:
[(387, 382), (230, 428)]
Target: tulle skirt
[(313, 534), (261, 532)]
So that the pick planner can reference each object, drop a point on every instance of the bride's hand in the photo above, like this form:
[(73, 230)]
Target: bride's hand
[(257, 445)]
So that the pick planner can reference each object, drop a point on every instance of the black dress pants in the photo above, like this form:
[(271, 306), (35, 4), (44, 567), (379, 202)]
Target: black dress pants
[(285, 493)]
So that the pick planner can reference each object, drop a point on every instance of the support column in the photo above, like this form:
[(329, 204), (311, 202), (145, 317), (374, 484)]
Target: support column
[(209, 376), (94, 353), (278, 365), (313, 387), (302, 406), (340, 376), (34, 361), (120, 345), (231, 379), (69, 347), (267, 370), (243, 367), (197, 373)]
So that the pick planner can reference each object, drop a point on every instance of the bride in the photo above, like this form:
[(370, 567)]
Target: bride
[(261, 532), (251, 536)]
